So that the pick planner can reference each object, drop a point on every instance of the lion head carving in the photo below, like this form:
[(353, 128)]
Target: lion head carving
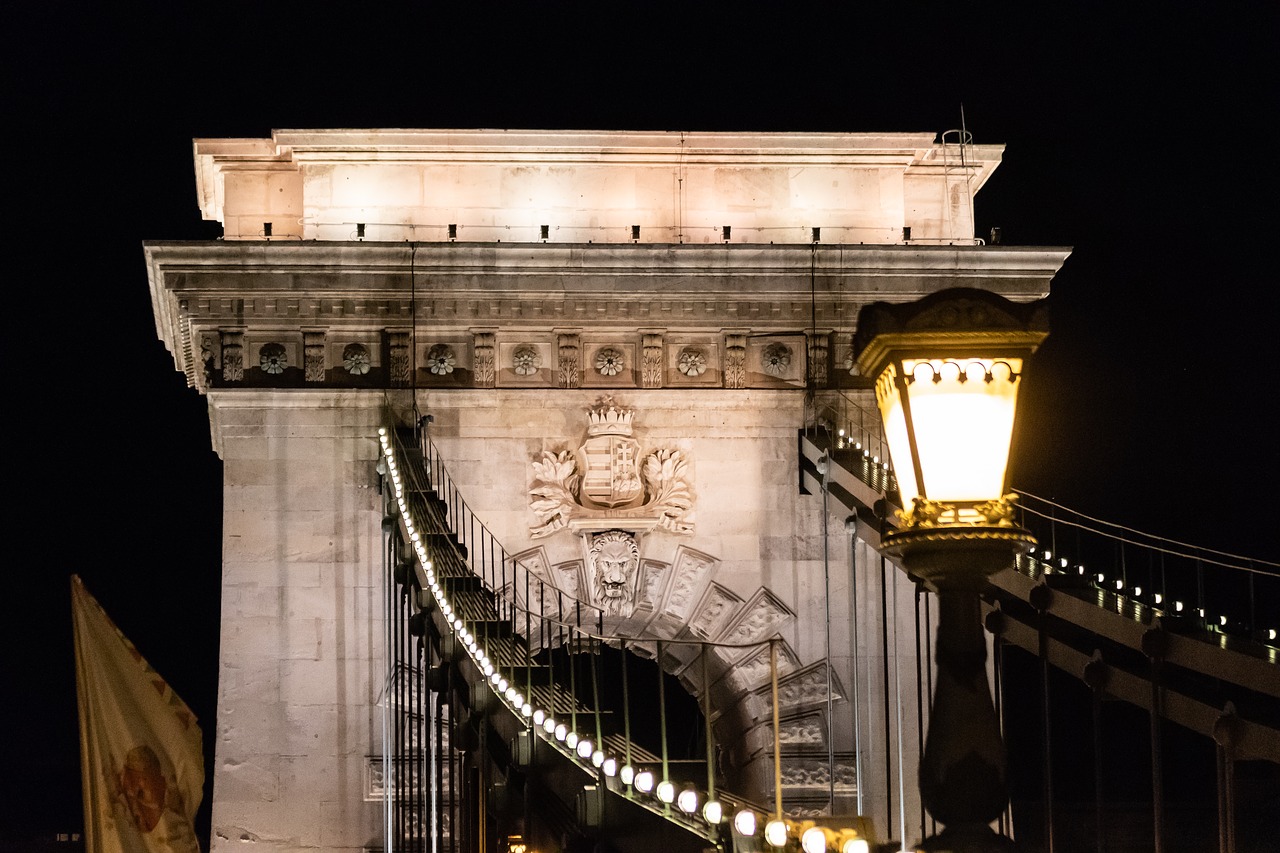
[(615, 559)]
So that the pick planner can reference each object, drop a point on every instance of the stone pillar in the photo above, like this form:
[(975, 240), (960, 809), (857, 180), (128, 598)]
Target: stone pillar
[(302, 621)]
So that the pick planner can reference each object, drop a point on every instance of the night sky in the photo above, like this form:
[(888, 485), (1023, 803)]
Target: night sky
[(1139, 134)]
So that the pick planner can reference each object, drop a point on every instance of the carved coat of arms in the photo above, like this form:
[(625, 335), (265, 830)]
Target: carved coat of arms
[(608, 482)]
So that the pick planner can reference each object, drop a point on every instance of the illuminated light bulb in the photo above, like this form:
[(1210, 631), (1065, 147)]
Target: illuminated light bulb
[(539, 717), (549, 725), (1119, 584), (627, 774), (1062, 562), (597, 758), (745, 823), (562, 731), (855, 845), (511, 694), (840, 432), (609, 766), (713, 812), (495, 677), (1137, 590), (430, 565), (1222, 620), (570, 739), (644, 781), (687, 801), (775, 832), (585, 749), (382, 434), (1048, 555), (814, 840), (1158, 598), (1200, 612), (526, 710), (503, 685), (1102, 578), (666, 791), (857, 445), (1177, 606)]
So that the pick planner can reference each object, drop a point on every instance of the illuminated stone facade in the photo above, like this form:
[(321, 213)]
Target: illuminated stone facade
[(706, 283)]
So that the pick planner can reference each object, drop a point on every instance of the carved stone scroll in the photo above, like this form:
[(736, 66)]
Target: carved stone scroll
[(818, 346), (232, 356), (484, 369), (735, 361), (313, 356), (570, 361), (651, 362), (400, 372)]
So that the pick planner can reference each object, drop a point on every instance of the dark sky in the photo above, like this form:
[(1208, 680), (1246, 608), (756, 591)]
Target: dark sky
[(1139, 134)]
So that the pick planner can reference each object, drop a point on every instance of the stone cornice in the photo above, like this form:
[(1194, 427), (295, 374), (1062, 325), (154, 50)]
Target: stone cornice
[(758, 288)]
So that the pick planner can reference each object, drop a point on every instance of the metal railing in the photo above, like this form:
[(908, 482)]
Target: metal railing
[(536, 651)]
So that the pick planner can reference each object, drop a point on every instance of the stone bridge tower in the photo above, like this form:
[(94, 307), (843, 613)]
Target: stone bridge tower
[(619, 337)]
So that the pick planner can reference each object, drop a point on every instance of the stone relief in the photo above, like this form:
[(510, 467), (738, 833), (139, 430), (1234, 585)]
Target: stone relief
[(776, 359), (802, 731), (692, 362), (233, 356), (313, 356), (818, 345), (754, 669), (735, 361), (716, 608), (614, 560), (606, 485), (440, 360), (398, 344), (272, 359), (568, 367), (609, 362), (526, 361), (355, 359), (760, 618), (484, 367), (651, 361)]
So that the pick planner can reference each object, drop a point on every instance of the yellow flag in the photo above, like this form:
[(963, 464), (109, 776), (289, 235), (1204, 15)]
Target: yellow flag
[(141, 762)]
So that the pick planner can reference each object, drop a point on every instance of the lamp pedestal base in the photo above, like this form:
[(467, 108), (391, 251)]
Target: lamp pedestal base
[(962, 772)]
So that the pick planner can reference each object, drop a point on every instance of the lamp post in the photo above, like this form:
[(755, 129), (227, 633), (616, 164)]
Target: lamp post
[(947, 370)]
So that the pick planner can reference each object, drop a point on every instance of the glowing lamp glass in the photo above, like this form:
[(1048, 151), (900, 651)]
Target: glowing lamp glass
[(644, 781), (855, 845), (962, 425), (775, 832), (666, 791), (539, 717), (584, 749), (627, 774), (597, 758), (570, 739), (562, 731), (549, 725), (814, 840), (744, 822), (713, 812), (609, 766), (687, 801)]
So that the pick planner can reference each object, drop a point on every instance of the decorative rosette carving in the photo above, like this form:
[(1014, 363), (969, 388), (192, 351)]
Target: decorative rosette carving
[(272, 359), (692, 362), (440, 360), (526, 361), (776, 359), (609, 362), (355, 359)]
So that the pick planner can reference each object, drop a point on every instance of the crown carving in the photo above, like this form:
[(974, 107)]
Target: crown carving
[(607, 418)]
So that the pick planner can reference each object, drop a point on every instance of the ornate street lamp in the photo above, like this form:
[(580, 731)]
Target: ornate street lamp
[(947, 370)]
